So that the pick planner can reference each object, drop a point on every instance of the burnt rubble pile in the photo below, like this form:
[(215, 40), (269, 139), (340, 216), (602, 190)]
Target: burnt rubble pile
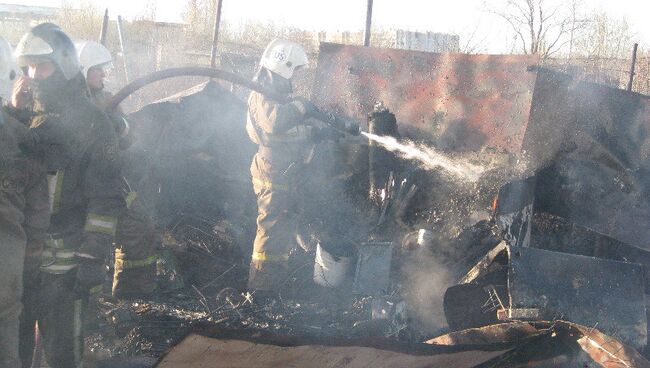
[(541, 262), (482, 315)]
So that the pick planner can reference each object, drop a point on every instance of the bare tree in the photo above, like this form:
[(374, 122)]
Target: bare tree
[(542, 28), (606, 37), (81, 19), (473, 41)]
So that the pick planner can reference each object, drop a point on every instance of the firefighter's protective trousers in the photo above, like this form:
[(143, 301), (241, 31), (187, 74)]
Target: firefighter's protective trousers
[(284, 146), (135, 257)]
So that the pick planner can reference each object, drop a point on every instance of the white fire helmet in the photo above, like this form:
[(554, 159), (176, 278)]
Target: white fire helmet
[(92, 54), (8, 69), (48, 42), (283, 57)]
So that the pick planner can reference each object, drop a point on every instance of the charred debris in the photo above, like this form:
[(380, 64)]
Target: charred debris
[(541, 262)]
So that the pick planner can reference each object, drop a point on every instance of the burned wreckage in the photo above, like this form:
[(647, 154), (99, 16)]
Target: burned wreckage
[(518, 241)]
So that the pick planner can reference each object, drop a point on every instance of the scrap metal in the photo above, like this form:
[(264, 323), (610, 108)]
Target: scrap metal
[(589, 145), (372, 275), (544, 285), (603, 350)]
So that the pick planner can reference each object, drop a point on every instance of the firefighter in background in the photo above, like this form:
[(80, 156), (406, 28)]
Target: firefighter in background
[(24, 215), (79, 149), (135, 259), (286, 145)]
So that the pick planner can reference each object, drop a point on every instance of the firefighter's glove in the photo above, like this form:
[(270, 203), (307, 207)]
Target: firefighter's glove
[(21, 96), (306, 107), (90, 273), (350, 127), (326, 134)]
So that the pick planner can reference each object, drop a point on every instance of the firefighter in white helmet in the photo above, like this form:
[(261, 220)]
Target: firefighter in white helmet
[(24, 214), (286, 145), (135, 260), (78, 147), (8, 69), (95, 61)]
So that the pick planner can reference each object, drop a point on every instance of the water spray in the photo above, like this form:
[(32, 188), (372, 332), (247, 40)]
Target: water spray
[(429, 158)]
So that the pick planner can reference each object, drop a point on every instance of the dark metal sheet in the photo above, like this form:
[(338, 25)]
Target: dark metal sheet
[(590, 291), (372, 276), (463, 102), (483, 266), (593, 144), (514, 211)]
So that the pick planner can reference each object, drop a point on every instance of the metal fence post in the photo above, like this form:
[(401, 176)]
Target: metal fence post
[(634, 49)]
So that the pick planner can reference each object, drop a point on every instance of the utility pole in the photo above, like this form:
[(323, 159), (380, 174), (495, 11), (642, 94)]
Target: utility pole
[(634, 49), (366, 33), (215, 35), (102, 33), (120, 33)]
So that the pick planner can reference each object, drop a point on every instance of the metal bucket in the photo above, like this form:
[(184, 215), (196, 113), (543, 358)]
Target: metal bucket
[(330, 270)]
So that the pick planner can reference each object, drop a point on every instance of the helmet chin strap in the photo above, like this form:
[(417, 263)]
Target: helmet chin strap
[(275, 81)]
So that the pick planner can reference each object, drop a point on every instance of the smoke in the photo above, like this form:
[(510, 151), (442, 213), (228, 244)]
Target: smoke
[(428, 158), (425, 280)]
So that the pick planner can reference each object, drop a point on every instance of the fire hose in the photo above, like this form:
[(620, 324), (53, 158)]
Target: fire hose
[(342, 125)]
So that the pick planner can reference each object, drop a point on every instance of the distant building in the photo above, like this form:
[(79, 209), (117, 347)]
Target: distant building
[(399, 39), (16, 12), (429, 41), (16, 19)]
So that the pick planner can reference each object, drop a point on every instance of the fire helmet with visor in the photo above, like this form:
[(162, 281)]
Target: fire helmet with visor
[(48, 42), (93, 55), (283, 57), (8, 69)]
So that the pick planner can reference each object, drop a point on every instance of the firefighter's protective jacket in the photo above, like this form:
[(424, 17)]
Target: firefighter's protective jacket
[(24, 218), (23, 189), (79, 148), (284, 141)]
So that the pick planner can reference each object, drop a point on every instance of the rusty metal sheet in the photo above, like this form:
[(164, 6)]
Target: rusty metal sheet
[(461, 102), (548, 342), (493, 334), (606, 350), (199, 351)]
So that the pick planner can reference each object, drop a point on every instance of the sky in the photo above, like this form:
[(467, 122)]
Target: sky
[(468, 18)]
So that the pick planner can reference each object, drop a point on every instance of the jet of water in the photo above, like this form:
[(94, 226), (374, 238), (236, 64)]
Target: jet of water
[(428, 157)]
